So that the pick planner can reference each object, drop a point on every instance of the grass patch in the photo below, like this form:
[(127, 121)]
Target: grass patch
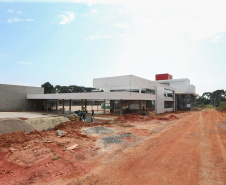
[(126, 126), (55, 158)]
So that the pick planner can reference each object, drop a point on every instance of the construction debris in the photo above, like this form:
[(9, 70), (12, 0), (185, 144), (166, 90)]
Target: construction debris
[(61, 133), (72, 147), (99, 130)]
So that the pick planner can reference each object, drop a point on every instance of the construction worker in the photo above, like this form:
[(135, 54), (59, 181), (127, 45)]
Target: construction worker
[(84, 115), (80, 115)]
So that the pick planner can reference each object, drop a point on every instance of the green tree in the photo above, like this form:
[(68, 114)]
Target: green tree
[(65, 89), (214, 98), (202, 101), (58, 88), (48, 88)]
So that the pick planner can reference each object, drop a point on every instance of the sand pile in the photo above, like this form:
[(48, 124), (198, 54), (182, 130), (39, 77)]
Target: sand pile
[(45, 123), (8, 125)]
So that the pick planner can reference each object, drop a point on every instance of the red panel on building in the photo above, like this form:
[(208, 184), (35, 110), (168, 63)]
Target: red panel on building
[(163, 76)]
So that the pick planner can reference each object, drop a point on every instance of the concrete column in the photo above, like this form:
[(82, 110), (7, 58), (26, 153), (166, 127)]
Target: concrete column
[(121, 104), (70, 105), (104, 107), (139, 106), (57, 104), (82, 104), (47, 101), (175, 101), (85, 104), (63, 106)]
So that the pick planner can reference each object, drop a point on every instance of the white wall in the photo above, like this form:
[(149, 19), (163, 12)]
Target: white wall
[(14, 97), (123, 82), (134, 82), (160, 100), (180, 84)]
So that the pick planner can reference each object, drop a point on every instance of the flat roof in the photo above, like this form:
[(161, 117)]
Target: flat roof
[(95, 96)]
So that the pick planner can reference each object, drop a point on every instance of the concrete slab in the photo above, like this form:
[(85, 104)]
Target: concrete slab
[(25, 115)]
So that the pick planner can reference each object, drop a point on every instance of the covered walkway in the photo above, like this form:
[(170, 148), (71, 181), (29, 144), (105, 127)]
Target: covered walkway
[(105, 102)]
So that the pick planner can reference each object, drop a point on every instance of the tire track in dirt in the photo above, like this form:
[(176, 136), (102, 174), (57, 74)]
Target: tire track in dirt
[(220, 142), (211, 173), (170, 158)]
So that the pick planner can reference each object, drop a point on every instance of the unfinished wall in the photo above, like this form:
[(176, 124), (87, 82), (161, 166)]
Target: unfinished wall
[(14, 97), (160, 99)]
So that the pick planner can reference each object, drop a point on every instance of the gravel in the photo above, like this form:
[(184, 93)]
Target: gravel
[(8, 125), (223, 126), (116, 139), (99, 130)]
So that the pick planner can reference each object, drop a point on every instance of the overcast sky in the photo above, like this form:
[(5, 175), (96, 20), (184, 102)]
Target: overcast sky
[(70, 43)]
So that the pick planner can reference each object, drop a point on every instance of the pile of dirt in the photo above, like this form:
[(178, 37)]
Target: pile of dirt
[(8, 125), (132, 118), (172, 117), (8, 140), (45, 123), (70, 125)]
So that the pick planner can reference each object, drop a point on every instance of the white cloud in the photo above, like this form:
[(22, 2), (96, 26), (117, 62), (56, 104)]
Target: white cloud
[(121, 25), (16, 19), (24, 63), (68, 17), (94, 11), (10, 10), (216, 38), (29, 20), (95, 37), (89, 4), (19, 12), (2, 55), (91, 13), (74, 1)]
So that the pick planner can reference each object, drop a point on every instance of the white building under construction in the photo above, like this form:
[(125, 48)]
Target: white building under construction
[(121, 94)]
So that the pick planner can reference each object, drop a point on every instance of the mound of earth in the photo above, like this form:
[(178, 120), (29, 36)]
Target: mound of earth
[(8, 125), (45, 123), (133, 118)]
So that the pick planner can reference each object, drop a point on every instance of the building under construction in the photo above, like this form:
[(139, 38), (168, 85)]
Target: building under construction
[(121, 95)]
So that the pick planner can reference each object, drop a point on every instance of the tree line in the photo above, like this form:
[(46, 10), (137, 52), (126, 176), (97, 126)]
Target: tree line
[(49, 88), (215, 98)]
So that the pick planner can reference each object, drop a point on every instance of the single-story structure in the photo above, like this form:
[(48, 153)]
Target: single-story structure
[(121, 94)]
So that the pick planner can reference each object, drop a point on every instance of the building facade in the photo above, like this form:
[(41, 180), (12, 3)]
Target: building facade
[(121, 95)]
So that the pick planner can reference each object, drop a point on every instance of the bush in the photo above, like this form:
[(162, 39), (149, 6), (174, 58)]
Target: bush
[(222, 106), (202, 105), (209, 106)]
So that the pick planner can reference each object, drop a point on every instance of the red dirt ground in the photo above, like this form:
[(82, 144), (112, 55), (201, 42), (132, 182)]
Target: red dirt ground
[(180, 148)]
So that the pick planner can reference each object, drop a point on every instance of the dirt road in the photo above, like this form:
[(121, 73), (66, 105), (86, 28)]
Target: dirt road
[(174, 148), (192, 151)]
